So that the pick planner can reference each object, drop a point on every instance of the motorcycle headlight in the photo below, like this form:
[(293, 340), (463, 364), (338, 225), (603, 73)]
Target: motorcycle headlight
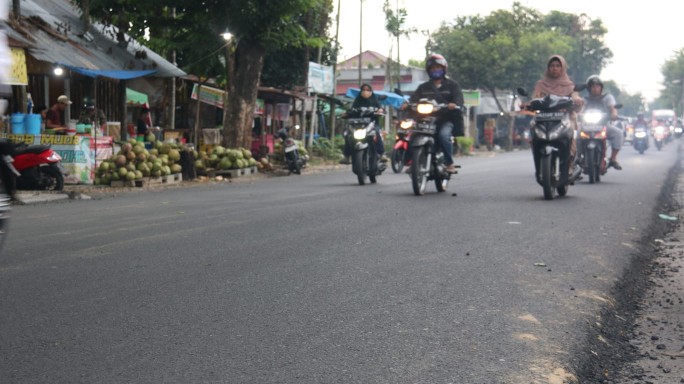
[(679, 130), (660, 129), (592, 117), (406, 124), (539, 132), (360, 134), (584, 135), (425, 109), (640, 134)]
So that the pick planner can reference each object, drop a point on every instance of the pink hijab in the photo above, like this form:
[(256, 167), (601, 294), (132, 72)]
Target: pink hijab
[(559, 86)]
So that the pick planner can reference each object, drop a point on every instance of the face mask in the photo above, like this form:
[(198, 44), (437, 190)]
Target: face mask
[(366, 94), (436, 74)]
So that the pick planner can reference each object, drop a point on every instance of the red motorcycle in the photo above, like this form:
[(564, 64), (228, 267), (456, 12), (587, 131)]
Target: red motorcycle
[(39, 168), (400, 150)]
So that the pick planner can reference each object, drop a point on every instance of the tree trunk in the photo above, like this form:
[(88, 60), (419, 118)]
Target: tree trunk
[(243, 83)]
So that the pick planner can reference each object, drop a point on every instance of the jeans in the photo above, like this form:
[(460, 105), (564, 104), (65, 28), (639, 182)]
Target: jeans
[(443, 141)]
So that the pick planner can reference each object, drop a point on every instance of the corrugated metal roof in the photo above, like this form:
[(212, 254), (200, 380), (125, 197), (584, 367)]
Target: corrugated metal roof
[(53, 31)]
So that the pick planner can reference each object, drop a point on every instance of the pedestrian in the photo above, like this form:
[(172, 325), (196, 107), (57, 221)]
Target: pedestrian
[(142, 126)]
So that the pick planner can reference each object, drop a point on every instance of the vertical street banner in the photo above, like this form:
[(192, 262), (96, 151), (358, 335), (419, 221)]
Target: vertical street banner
[(320, 78)]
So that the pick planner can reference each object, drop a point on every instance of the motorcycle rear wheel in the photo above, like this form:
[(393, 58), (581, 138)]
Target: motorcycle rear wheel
[(547, 171), (419, 171), (398, 160), (359, 165), (54, 177)]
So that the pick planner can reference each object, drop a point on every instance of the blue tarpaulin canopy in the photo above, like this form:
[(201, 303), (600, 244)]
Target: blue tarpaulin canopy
[(394, 100), (111, 73)]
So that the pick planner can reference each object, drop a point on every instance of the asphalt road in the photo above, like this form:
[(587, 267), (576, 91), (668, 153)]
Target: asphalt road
[(314, 279)]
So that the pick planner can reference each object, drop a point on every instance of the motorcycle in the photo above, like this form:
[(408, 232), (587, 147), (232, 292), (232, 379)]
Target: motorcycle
[(659, 136), (678, 129), (591, 148), (427, 162), (293, 161), (552, 132), (39, 168), (7, 186), (640, 141), (400, 150), (363, 135)]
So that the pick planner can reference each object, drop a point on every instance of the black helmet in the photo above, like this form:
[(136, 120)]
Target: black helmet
[(438, 59), (594, 79)]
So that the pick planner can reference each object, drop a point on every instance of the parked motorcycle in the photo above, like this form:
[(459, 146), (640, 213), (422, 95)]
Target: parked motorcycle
[(427, 162), (39, 167), (640, 141), (293, 160), (552, 133), (659, 134), (363, 135), (400, 150)]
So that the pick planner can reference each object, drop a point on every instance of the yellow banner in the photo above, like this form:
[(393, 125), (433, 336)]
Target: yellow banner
[(18, 74)]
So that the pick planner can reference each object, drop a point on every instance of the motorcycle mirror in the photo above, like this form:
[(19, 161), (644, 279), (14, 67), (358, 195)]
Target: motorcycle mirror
[(618, 106), (382, 97), (398, 92), (522, 92), (580, 87)]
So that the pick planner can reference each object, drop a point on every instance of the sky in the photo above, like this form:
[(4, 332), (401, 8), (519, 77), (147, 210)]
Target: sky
[(641, 35)]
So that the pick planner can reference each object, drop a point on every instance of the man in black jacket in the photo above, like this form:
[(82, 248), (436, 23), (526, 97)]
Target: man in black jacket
[(444, 91)]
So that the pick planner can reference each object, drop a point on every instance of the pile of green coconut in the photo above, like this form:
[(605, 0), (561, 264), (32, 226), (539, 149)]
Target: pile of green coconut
[(134, 162), (221, 158)]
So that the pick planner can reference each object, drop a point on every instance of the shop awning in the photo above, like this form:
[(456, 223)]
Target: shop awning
[(136, 98), (110, 73)]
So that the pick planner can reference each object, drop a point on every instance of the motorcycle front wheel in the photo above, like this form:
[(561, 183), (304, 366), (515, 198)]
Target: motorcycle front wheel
[(53, 178), (592, 166), (547, 172), (398, 160), (359, 165), (419, 171)]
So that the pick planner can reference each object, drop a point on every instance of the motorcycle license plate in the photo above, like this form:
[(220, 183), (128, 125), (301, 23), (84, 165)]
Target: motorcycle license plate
[(545, 116), (425, 127)]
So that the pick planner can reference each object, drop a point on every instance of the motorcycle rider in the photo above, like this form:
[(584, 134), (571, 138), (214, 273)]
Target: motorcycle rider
[(442, 89), (368, 99), (605, 102), (557, 82), (640, 121)]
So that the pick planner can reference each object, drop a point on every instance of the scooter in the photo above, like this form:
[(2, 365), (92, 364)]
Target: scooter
[(293, 160), (659, 136), (39, 168), (640, 141)]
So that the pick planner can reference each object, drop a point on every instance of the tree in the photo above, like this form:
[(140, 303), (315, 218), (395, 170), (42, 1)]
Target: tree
[(394, 24), (673, 80)]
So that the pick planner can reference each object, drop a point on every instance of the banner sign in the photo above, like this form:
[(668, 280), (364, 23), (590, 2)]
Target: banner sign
[(320, 78), (471, 98), (78, 153), (18, 73), (208, 95)]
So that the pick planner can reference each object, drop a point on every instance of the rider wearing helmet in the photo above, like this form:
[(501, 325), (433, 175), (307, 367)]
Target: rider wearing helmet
[(605, 102), (442, 89)]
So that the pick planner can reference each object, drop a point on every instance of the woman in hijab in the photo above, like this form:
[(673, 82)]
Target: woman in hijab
[(367, 98), (556, 82)]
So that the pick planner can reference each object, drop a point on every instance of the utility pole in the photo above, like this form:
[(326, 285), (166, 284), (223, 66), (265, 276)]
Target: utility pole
[(333, 106), (360, 40)]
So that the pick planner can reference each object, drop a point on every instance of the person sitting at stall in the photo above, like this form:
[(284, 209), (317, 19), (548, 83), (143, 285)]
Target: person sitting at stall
[(92, 115), (55, 119), (142, 126)]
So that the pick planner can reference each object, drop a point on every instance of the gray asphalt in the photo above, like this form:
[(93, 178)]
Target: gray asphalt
[(314, 279)]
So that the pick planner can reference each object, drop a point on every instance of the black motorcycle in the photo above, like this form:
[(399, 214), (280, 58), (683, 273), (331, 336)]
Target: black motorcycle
[(293, 161), (552, 133), (362, 136), (427, 162)]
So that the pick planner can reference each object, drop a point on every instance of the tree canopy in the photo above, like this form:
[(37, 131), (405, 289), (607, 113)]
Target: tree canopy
[(508, 49)]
